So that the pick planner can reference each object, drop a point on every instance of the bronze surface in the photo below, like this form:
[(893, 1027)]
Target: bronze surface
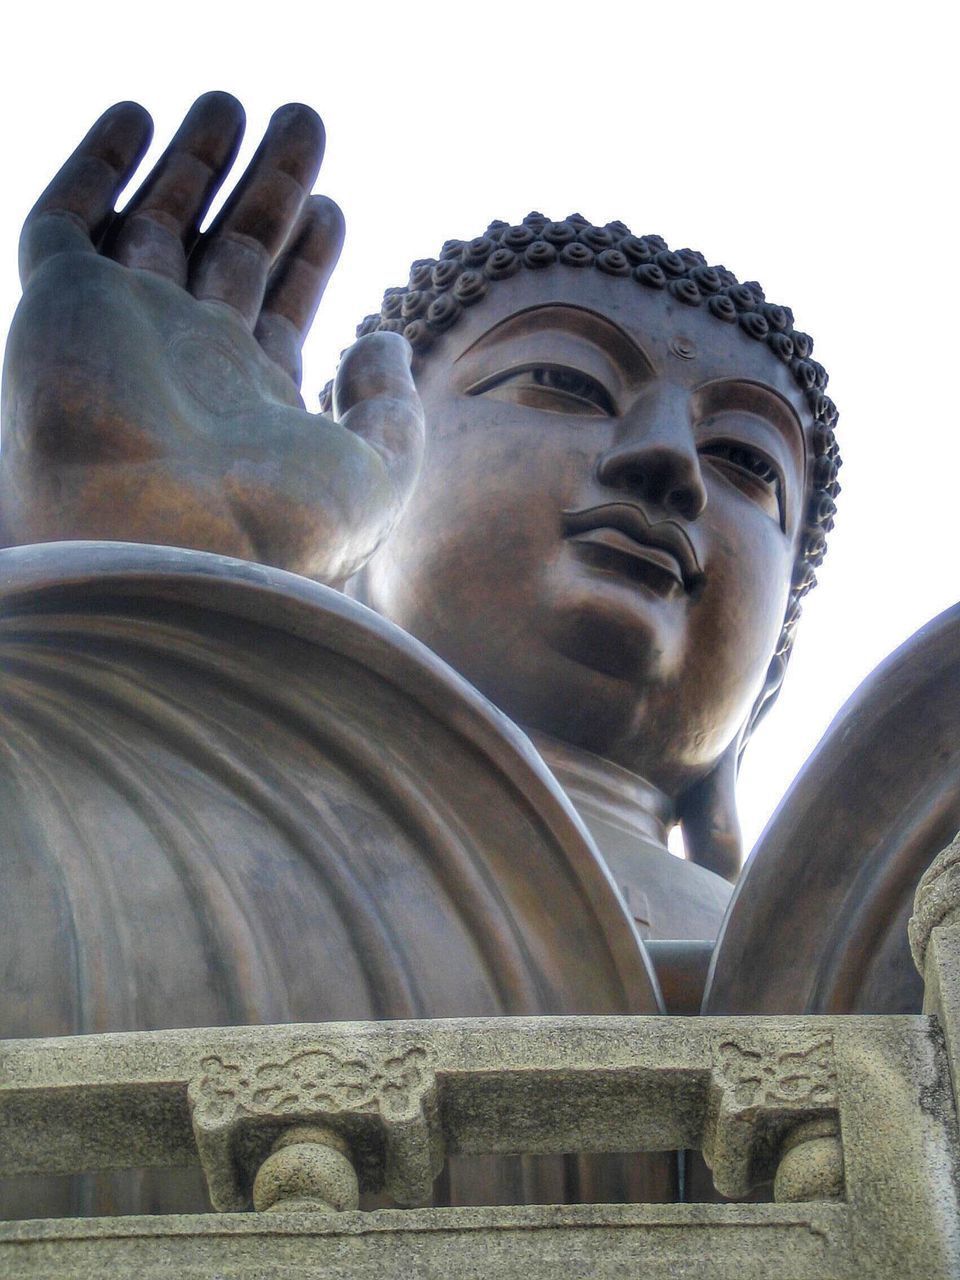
[(604, 537), (817, 923), (234, 796), (151, 383)]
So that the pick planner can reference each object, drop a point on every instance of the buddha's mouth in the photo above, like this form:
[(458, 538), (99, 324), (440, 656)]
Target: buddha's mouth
[(618, 538)]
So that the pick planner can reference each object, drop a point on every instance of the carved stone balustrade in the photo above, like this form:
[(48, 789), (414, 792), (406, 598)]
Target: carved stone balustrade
[(852, 1119)]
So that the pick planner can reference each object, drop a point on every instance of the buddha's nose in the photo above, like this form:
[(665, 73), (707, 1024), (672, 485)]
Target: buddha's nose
[(655, 456)]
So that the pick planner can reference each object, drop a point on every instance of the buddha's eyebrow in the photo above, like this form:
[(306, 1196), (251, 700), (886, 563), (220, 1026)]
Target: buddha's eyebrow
[(578, 322), (752, 397)]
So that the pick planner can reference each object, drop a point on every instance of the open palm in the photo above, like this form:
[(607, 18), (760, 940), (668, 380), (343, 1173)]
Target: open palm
[(151, 384)]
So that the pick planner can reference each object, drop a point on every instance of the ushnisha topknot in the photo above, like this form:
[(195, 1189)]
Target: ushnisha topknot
[(439, 290)]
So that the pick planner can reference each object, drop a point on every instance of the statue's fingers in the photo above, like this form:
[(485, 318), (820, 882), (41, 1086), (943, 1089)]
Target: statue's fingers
[(161, 224), (375, 397), (232, 261), (74, 211), (297, 281)]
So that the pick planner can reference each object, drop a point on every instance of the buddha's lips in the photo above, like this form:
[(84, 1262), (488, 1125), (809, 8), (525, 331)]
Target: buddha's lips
[(664, 541)]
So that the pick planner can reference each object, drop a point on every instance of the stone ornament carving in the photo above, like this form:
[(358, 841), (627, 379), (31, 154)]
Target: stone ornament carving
[(309, 1169), (761, 1091), (315, 1079), (383, 1107), (792, 1076)]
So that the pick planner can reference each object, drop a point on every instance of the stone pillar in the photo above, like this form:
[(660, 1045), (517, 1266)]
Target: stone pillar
[(934, 932)]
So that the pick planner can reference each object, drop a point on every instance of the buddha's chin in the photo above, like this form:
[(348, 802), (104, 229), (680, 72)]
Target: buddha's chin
[(614, 628)]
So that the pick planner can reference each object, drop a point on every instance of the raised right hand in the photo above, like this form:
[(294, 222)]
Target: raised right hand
[(151, 383)]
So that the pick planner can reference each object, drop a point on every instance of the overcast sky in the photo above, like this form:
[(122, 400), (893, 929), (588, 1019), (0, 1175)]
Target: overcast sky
[(810, 146)]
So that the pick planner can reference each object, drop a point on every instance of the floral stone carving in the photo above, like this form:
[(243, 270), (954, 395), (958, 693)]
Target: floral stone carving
[(383, 1106), (760, 1092)]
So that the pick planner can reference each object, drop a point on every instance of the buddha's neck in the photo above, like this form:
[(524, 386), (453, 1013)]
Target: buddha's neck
[(607, 792)]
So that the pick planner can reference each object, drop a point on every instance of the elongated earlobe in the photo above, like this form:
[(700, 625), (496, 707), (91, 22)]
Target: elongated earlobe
[(709, 820)]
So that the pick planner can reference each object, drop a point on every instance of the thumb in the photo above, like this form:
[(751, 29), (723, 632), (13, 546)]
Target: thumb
[(374, 396)]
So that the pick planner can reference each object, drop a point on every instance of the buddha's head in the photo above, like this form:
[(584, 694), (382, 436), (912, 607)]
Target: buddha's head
[(629, 473)]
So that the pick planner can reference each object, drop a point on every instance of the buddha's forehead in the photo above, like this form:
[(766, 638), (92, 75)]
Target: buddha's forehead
[(565, 307)]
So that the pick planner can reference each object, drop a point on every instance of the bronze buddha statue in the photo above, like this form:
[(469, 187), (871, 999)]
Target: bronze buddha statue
[(629, 472), (620, 497)]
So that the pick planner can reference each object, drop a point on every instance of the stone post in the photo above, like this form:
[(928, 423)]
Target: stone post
[(934, 932)]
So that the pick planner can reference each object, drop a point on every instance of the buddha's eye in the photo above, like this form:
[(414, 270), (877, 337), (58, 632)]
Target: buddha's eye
[(556, 388), (750, 470)]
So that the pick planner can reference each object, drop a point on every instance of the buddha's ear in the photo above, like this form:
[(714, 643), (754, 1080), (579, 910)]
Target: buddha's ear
[(709, 820)]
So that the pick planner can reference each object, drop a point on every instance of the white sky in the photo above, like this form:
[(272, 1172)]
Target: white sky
[(810, 146)]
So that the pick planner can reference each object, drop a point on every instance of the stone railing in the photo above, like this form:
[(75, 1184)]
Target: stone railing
[(852, 1119)]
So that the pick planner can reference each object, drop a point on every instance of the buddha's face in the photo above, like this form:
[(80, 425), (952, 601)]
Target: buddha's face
[(604, 531)]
